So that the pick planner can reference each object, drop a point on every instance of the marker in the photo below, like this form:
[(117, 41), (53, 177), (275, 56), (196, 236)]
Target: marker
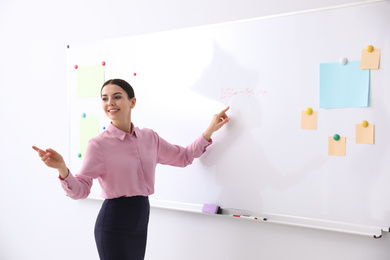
[(245, 216), (249, 217)]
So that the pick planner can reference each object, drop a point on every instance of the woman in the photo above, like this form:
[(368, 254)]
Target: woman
[(123, 158)]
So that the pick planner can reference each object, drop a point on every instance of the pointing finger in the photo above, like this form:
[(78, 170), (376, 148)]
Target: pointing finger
[(40, 151), (223, 113)]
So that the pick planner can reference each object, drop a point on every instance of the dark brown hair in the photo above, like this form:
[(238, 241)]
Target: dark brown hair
[(121, 83)]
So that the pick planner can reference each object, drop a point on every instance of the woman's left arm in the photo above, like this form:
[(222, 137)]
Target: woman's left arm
[(179, 156)]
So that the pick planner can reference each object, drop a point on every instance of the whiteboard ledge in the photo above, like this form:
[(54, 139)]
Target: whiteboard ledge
[(334, 226), (174, 205), (326, 225)]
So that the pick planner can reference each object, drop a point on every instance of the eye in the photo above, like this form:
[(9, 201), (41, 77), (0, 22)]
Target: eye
[(117, 97), (104, 99)]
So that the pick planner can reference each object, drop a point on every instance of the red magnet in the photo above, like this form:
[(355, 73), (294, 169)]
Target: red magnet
[(135, 74), (76, 67), (104, 63)]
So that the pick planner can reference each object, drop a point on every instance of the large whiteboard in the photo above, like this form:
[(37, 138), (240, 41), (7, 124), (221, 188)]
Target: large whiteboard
[(267, 71)]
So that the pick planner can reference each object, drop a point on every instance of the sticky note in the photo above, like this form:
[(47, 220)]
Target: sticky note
[(89, 128), (370, 60), (365, 135), (90, 79), (336, 147), (309, 121), (343, 85)]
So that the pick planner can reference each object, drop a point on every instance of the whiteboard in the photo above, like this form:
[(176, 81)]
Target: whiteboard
[(267, 71)]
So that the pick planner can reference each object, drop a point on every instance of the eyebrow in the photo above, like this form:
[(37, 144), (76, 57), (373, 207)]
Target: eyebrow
[(116, 93)]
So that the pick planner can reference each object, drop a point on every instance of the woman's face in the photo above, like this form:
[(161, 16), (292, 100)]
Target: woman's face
[(116, 103)]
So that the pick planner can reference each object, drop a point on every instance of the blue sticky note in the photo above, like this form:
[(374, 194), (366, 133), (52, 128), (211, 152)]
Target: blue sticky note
[(344, 85)]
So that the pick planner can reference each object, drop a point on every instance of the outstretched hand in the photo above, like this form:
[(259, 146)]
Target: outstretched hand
[(217, 122), (53, 160)]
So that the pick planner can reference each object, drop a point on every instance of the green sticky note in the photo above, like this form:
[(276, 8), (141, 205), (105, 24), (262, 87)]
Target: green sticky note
[(89, 128), (90, 79)]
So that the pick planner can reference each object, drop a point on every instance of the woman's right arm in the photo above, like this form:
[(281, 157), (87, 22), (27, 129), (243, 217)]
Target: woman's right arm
[(53, 160), (76, 187)]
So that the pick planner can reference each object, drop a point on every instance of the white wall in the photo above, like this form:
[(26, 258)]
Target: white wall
[(37, 221)]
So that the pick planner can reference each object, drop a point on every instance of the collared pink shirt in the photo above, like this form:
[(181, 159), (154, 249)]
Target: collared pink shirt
[(125, 164)]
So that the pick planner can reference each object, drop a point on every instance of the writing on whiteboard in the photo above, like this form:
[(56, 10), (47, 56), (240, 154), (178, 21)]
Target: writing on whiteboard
[(247, 92)]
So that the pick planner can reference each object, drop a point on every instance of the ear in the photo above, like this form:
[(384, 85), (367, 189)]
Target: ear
[(133, 102)]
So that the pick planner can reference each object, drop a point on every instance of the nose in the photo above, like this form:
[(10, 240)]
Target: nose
[(111, 101)]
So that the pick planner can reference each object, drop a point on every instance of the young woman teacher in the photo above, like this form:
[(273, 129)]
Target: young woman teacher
[(124, 158)]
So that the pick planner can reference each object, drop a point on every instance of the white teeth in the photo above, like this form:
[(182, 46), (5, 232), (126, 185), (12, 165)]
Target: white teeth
[(113, 110)]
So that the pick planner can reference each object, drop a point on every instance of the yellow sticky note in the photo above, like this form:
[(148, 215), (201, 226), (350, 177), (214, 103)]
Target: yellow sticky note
[(370, 60), (365, 135), (336, 147), (89, 128), (90, 79), (309, 121)]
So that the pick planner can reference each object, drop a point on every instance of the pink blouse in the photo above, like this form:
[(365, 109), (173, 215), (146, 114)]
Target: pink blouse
[(125, 164)]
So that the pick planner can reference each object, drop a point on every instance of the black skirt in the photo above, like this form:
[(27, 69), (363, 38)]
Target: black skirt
[(121, 228)]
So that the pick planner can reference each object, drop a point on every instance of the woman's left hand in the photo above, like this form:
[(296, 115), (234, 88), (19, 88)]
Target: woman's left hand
[(216, 123)]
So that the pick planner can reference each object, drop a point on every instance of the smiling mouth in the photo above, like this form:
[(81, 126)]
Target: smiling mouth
[(113, 110)]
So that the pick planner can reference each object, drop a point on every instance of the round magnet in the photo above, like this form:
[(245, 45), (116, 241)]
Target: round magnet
[(343, 61), (336, 137), (135, 74), (308, 111), (370, 48), (103, 63), (79, 155), (83, 115), (76, 67), (364, 123)]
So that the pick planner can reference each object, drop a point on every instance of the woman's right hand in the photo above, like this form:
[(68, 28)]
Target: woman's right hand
[(53, 160)]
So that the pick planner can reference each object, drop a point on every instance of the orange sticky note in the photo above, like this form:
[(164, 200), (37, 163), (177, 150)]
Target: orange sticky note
[(336, 147), (365, 135), (370, 60), (309, 121)]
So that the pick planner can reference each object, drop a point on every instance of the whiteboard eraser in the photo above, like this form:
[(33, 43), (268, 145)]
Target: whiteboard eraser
[(211, 208)]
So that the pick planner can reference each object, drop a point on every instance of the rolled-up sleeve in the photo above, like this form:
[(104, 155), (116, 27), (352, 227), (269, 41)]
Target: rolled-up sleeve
[(79, 185)]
